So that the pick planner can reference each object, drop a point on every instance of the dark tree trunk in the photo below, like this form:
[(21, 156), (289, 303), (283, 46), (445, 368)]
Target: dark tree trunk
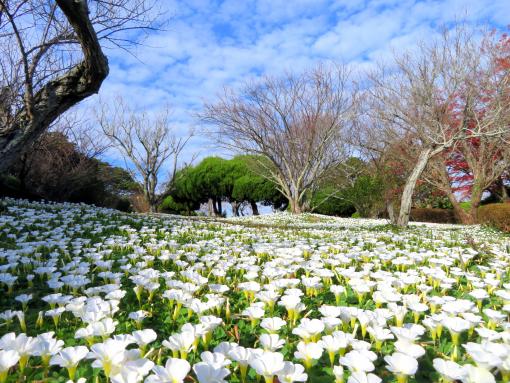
[(235, 208), (460, 214), (23, 172), (220, 208), (476, 199), (504, 193), (254, 208), (59, 94)]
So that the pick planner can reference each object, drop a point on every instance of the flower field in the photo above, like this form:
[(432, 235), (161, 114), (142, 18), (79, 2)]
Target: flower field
[(94, 295)]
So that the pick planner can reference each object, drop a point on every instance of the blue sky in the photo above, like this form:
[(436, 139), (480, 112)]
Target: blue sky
[(211, 44)]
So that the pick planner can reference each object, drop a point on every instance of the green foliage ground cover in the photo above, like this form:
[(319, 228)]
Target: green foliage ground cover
[(94, 277)]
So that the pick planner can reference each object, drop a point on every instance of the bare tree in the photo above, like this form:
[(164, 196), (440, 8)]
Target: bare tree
[(432, 96), (296, 122), (389, 156), (148, 143), (51, 58)]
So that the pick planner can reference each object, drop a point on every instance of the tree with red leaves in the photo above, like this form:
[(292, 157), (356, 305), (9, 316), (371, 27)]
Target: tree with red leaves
[(445, 97), (467, 169)]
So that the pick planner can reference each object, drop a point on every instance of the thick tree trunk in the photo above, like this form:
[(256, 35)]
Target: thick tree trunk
[(23, 172), (476, 199), (59, 94), (254, 208), (235, 208), (150, 201), (460, 214), (211, 204), (504, 193), (391, 212), (296, 203), (295, 207), (153, 208), (407, 194), (220, 207)]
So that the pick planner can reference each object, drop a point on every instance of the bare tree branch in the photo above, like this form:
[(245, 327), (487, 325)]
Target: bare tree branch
[(147, 143), (296, 122), (51, 58)]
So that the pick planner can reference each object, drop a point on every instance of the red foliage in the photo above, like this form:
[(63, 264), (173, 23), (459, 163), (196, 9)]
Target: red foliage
[(460, 173)]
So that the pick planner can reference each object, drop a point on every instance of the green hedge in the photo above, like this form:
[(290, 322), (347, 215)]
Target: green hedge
[(433, 215), (496, 215)]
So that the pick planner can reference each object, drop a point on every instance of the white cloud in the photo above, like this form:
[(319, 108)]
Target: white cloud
[(212, 44)]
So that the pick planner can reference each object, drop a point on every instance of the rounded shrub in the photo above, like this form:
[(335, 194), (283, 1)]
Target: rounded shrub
[(496, 215), (432, 215)]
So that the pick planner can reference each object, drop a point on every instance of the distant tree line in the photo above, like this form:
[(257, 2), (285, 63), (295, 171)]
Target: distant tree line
[(353, 187), (215, 181), (438, 115), (56, 169)]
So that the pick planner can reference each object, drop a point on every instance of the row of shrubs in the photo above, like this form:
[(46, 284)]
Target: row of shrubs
[(495, 215), (433, 215)]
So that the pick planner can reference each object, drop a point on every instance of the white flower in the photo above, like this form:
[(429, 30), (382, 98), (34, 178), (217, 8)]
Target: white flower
[(272, 325), (240, 354), (144, 337), (253, 312), (330, 343), (308, 352), (474, 374), (214, 359), (409, 348), (357, 361), (108, 355), (363, 377), (175, 371), (479, 294), (69, 358), (225, 347), (23, 344), (401, 364), (47, 345), (449, 370), (271, 342), (343, 339), (267, 364), (207, 373), (456, 324), (330, 311), (410, 332), (338, 371), (309, 328), (380, 333), (132, 369), (8, 359), (180, 342), (292, 373)]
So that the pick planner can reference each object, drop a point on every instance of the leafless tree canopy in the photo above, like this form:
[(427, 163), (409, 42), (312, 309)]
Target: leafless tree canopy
[(148, 143), (51, 58), (296, 121), (435, 98)]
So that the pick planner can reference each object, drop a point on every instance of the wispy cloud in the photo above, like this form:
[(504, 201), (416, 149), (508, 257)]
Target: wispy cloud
[(212, 44)]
